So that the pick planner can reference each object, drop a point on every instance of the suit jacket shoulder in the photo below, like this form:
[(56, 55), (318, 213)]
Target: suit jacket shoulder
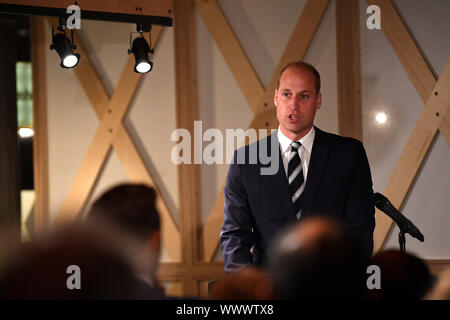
[(327, 138)]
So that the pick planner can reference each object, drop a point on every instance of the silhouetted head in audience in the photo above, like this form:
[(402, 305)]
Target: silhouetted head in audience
[(403, 276), (132, 207), (317, 259), (249, 283), (74, 262)]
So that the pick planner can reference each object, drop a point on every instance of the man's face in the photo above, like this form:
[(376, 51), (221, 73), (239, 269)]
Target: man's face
[(296, 102)]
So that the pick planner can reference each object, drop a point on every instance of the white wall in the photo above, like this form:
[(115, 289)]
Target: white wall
[(263, 28), (72, 121), (386, 87)]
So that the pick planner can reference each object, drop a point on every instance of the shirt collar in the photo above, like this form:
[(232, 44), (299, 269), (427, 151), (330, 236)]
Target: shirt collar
[(307, 141)]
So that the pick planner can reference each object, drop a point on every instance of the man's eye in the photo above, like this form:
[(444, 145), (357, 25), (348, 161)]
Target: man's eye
[(286, 94), (305, 96)]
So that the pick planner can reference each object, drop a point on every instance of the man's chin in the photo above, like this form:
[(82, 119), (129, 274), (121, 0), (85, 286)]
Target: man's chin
[(296, 130)]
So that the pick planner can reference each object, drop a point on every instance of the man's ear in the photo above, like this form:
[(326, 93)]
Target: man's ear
[(319, 100), (275, 97)]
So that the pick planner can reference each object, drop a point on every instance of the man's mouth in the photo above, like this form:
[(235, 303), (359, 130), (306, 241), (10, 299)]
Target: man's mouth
[(293, 117)]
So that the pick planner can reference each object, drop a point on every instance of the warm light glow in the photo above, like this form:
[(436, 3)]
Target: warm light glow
[(143, 67), (26, 132), (381, 117), (70, 61)]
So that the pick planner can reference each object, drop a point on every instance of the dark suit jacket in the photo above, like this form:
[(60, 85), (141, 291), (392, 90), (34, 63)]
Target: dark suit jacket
[(258, 207)]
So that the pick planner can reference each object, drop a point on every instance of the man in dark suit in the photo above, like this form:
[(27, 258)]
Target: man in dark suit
[(318, 174)]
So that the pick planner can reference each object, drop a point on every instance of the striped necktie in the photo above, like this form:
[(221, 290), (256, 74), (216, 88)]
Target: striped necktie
[(295, 177)]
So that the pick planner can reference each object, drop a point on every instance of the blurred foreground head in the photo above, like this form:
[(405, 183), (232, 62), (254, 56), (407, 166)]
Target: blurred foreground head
[(317, 259), (131, 207), (404, 276), (39, 269), (249, 283)]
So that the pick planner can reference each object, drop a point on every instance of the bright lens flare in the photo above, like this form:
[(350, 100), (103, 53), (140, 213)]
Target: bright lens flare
[(381, 117), (143, 67), (26, 132), (70, 61)]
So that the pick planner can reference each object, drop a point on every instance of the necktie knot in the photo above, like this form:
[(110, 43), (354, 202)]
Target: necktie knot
[(295, 145)]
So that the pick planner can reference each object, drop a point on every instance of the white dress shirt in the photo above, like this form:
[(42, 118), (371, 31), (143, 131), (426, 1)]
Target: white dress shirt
[(305, 150)]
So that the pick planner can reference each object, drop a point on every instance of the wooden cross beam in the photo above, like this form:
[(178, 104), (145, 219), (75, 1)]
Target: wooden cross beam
[(298, 44), (111, 132), (434, 116), (231, 49)]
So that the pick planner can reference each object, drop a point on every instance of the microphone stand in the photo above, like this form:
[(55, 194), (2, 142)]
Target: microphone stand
[(402, 241)]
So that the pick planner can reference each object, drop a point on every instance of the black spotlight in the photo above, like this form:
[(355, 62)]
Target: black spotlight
[(65, 48), (141, 49)]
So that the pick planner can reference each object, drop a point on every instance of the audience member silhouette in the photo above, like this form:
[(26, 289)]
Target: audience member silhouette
[(404, 276), (248, 283), (132, 207), (42, 269), (317, 259)]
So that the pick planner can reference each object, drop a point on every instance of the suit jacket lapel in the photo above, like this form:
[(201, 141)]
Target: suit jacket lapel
[(317, 163)]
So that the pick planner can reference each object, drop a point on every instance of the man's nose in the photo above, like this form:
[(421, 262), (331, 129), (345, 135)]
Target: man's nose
[(295, 102)]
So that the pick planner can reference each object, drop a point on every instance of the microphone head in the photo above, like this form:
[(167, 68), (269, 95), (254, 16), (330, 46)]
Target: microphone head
[(421, 237), (415, 232)]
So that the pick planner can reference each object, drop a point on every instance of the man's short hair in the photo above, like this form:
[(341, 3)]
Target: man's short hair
[(131, 207), (303, 66)]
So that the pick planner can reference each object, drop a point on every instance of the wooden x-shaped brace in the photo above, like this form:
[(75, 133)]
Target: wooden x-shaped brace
[(111, 132), (435, 115)]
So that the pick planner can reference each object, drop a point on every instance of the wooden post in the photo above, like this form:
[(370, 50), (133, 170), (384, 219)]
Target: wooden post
[(187, 113), (348, 68), (40, 148)]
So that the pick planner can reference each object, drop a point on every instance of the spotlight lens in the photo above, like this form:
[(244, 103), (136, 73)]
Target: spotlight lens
[(70, 61), (381, 117), (26, 132), (143, 67)]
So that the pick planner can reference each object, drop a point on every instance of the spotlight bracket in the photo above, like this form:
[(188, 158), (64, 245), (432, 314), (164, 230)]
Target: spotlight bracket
[(143, 27), (140, 29), (62, 29)]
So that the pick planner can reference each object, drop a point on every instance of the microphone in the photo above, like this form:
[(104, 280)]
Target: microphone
[(405, 225)]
